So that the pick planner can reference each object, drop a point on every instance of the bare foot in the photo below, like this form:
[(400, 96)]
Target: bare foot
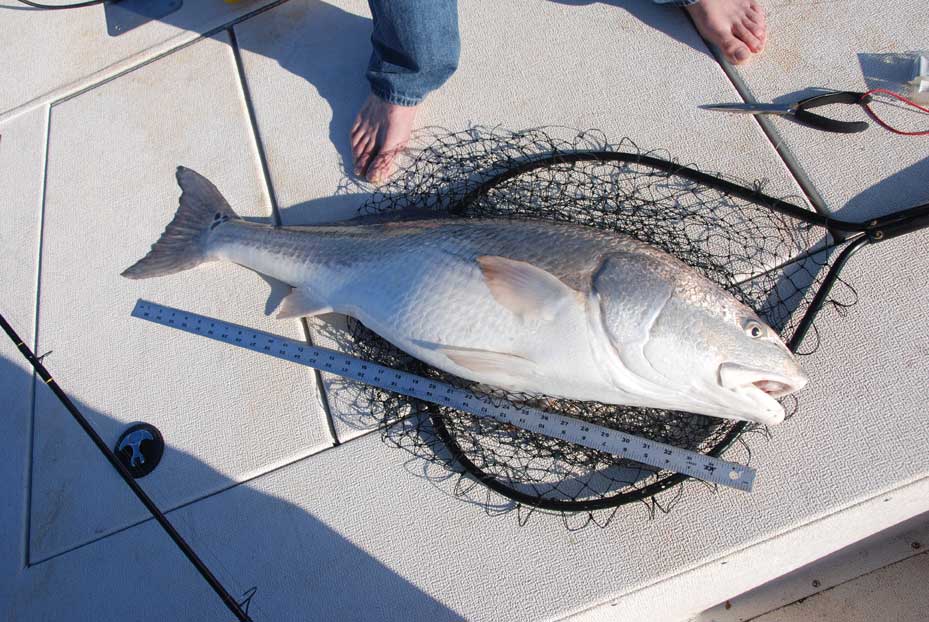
[(381, 131), (735, 26)]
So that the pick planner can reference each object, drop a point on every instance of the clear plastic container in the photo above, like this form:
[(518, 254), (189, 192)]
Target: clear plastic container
[(918, 86)]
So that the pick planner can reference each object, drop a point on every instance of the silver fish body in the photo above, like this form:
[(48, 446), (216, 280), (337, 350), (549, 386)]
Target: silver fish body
[(530, 307)]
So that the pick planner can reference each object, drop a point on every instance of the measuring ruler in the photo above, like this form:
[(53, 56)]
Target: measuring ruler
[(553, 425)]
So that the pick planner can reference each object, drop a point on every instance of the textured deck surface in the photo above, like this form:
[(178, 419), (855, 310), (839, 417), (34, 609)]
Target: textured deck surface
[(91, 130)]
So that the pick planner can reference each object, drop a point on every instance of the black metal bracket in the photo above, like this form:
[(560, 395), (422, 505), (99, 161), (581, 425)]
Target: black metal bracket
[(125, 15), (898, 223)]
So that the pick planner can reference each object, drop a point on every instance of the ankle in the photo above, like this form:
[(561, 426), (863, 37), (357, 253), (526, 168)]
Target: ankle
[(396, 99)]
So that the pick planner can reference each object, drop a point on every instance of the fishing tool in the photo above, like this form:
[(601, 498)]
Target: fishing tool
[(800, 111), (239, 610)]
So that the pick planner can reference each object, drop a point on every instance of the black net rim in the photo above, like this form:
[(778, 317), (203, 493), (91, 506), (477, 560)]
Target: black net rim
[(558, 505), (464, 174), (622, 497)]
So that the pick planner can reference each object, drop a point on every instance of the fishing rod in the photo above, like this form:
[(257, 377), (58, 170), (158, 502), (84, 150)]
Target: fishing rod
[(185, 548)]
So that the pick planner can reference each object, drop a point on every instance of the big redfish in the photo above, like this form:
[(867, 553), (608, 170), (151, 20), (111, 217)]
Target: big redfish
[(530, 307)]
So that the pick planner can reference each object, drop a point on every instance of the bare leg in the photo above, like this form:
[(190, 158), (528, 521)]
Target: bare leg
[(381, 132), (415, 48), (737, 27)]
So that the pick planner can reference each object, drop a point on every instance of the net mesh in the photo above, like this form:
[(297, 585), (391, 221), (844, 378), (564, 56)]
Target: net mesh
[(772, 262)]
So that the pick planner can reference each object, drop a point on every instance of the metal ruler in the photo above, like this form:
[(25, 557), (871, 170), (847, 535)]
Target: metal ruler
[(659, 455)]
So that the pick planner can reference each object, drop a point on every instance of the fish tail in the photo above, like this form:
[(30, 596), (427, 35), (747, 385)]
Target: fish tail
[(183, 244)]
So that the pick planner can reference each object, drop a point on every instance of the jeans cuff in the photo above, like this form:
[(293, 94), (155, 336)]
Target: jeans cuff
[(396, 98)]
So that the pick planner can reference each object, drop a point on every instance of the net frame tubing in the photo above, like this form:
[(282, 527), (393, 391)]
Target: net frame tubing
[(870, 231), (884, 227)]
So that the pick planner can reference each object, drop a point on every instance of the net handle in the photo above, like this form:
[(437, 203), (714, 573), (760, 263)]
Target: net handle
[(874, 230)]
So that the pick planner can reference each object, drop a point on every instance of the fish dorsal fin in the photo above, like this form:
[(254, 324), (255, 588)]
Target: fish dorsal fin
[(503, 367), (301, 302), (524, 289)]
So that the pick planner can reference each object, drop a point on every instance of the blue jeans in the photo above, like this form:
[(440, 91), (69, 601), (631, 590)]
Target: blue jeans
[(416, 47)]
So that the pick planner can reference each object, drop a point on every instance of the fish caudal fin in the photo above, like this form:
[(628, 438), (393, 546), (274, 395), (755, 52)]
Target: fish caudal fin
[(183, 243)]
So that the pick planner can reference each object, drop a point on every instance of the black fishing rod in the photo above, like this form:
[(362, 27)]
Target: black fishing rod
[(210, 578)]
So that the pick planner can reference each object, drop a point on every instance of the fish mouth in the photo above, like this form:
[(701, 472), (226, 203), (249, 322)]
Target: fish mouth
[(761, 387), (774, 388)]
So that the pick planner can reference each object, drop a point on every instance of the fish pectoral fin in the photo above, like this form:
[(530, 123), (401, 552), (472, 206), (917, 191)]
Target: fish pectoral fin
[(524, 289), (501, 366), (301, 302)]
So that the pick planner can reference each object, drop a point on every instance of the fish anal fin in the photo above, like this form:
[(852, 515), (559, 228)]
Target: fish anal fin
[(301, 302), (524, 289)]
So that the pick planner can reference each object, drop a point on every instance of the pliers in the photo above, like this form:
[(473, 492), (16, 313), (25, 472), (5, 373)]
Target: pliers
[(799, 110)]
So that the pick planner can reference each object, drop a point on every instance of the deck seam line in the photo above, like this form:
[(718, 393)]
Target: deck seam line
[(232, 485), (774, 138), (246, 95), (30, 449), (125, 66), (321, 387), (276, 214)]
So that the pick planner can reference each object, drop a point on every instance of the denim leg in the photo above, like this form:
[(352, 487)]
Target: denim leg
[(416, 48), (676, 2)]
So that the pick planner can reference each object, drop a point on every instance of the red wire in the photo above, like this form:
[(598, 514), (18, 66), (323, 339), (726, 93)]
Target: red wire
[(887, 126)]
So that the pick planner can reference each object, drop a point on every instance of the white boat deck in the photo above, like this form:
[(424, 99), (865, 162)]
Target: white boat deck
[(268, 472)]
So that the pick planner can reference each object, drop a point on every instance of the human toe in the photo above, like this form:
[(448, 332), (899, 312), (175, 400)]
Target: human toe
[(363, 154), (755, 23), (756, 17), (735, 51), (747, 37), (382, 167), (360, 136), (758, 30)]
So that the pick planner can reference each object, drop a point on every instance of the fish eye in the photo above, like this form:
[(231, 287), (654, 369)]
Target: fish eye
[(754, 329)]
